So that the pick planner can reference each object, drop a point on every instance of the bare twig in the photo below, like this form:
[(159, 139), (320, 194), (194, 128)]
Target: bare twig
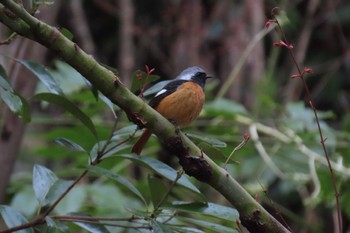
[(278, 213), (246, 138), (300, 75)]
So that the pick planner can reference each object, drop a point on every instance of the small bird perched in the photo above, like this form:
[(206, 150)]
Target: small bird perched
[(180, 101)]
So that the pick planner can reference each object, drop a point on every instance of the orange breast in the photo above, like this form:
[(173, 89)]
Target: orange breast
[(184, 105)]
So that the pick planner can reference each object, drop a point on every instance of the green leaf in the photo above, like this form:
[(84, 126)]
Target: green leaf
[(182, 229), (91, 227), (25, 112), (224, 107), (109, 103), (68, 106), (137, 211), (213, 227), (123, 132), (163, 170), (73, 201), (158, 227), (56, 190), (120, 179), (213, 152), (140, 79), (13, 218), (112, 148), (24, 200), (47, 186), (43, 179), (69, 144), (92, 88), (56, 225), (43, 75), (212, 141), (209, 209), (3, 80), (157, 188), (14, 101), (67, 77)]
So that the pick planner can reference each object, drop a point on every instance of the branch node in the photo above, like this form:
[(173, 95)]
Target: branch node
[(197, 167)]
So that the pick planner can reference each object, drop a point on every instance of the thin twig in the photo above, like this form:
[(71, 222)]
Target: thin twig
[(278, 213), (91, 218), (178, 176), (240, 145), (308, 94)]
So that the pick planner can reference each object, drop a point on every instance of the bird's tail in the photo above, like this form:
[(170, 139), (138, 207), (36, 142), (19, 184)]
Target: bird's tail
[(141, 142)]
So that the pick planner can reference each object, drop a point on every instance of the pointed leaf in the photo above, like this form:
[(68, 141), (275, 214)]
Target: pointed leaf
[(213, 227), (112, 148), (24, 201), (91, 227), (11, 100), (163, 170), (92, 88), (68, 78), (123, 132), (159, 227), (69, 144), (181, 229), (212, 141), (214, 153), (120, 179), (140, 79), (43, 179), (56, 190), (43, 75), (14, 101), (109, 103), (47, 186), (210, 209), (13, 218), (3, 80), (224, 107), (25, 111), (157, 188), (74, 200), (68, 106), (56, 225)]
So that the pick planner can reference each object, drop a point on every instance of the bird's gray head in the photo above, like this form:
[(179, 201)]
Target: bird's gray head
[(194, 74)]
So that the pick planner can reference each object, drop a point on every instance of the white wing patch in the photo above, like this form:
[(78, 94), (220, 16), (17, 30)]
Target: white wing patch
[(160, 92)]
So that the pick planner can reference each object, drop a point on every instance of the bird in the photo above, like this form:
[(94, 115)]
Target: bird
[(180, 101)]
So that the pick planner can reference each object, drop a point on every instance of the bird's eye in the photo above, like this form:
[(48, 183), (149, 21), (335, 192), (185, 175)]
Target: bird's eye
[(200, 75)]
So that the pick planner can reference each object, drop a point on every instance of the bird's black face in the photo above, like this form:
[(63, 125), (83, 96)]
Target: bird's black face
[(200, 78)]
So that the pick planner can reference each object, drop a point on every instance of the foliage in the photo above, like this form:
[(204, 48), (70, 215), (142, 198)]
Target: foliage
[(126, 193), (146, 200)]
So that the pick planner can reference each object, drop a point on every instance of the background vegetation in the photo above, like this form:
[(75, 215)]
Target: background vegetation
[(283, 165)]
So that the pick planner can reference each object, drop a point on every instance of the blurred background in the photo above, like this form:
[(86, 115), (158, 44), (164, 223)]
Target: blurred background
[(253, 93)]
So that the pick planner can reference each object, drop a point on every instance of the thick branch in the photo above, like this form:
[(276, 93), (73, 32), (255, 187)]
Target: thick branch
[(195, 163)]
